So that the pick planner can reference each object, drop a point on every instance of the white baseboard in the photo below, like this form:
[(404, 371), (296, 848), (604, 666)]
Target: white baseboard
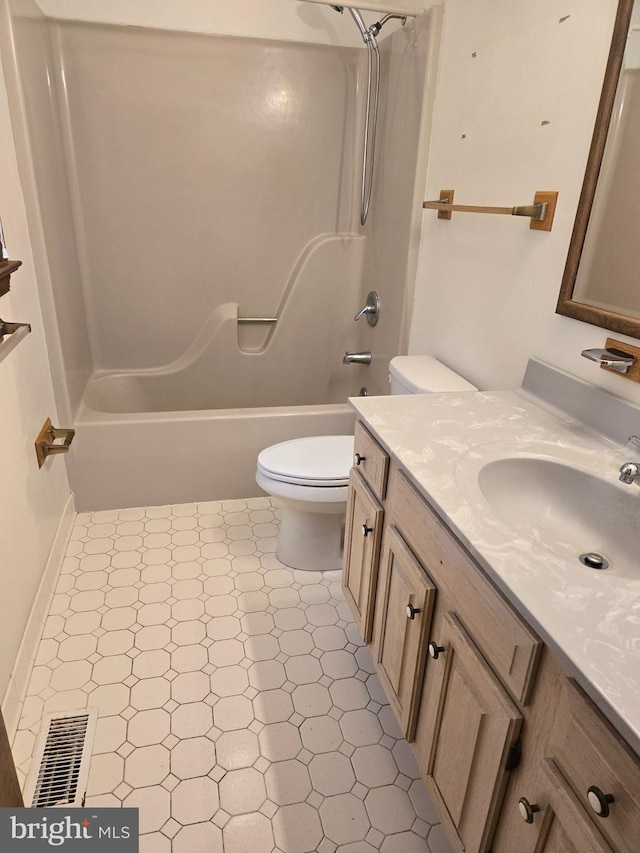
[(17, 687)]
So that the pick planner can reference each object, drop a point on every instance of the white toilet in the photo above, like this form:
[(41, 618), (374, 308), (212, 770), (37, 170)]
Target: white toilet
[(311, 475)]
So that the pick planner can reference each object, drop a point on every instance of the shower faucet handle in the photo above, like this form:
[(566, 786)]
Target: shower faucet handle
[(371, 309)]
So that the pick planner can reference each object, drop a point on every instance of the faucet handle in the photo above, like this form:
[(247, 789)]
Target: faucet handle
[(371, 309), (635, 440)]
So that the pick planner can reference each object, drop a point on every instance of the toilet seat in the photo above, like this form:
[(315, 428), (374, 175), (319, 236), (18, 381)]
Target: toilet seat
[(301, 494), (322, 461)]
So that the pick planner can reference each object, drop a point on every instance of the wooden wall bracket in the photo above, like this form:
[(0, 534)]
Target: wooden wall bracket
[(634, 371)]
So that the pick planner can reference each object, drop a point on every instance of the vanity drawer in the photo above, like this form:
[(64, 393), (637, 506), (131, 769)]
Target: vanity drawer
[(371, 460), (509, 645), (590, 754)]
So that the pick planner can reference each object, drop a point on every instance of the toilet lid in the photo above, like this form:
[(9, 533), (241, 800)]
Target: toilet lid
[(322, 460)]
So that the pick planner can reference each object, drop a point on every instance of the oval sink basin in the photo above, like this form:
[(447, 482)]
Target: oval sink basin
[(565, 509)]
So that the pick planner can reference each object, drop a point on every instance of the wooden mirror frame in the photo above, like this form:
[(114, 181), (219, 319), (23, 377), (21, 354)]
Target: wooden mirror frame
[(567, 305)]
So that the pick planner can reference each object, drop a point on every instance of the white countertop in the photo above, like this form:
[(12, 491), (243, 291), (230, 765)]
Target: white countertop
[(591, 619)]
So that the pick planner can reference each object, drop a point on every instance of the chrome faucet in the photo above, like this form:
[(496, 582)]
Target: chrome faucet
[(630, 471), (357, 358)]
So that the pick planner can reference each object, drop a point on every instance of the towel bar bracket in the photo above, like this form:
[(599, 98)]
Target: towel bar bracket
[(45, 442), (11, 328), (14, 333)]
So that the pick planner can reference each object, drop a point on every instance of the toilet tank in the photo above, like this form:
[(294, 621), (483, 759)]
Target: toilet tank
[(424, 374)]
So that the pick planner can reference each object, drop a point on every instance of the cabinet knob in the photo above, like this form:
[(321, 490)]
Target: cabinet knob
[(599, 802), (527, 809), (366, 530), (358, 458), (434, 650), (411, 611)]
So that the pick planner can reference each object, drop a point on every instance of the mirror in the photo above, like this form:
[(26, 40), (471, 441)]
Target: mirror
[(601, 282)]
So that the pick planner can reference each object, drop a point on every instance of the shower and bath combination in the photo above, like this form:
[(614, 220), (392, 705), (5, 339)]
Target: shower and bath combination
[(371, 112), (204, 383)]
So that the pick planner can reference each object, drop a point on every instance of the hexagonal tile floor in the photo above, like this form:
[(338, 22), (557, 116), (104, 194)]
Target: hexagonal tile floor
[(238, 708)]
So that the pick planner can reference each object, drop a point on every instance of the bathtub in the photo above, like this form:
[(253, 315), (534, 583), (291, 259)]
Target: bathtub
[(182, 433), (149, 458)]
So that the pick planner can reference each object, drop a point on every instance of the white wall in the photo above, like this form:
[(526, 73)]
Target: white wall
[(32, 501), (515, 118)]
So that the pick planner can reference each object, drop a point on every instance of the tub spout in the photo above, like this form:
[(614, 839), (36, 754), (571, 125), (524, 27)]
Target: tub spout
[(357, 358)]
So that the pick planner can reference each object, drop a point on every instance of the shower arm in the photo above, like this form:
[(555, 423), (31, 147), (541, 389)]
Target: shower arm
[(375, 28), (370, 33)]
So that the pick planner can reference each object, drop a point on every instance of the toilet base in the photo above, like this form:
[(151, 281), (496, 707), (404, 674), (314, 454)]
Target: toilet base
[(311, 541)]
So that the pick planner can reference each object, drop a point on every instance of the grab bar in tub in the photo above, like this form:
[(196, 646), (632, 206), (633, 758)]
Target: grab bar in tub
[(257, 320)]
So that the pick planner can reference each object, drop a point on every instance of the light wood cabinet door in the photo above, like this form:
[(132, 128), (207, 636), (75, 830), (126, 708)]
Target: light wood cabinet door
[(554, 821), (601, 769), (404, 607), (471, 725), (363, 533), (370, 460)]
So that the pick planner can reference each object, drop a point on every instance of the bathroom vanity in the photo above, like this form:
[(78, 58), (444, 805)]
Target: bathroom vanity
[(510, 666)]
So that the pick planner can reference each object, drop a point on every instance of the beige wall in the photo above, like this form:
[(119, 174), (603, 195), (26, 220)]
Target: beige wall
[(515, 118), (32, 502)]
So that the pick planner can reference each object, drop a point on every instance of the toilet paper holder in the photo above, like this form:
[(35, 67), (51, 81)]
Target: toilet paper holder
[(45, 442)]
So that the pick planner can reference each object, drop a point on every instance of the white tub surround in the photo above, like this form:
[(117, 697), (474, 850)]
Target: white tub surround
[(589, 618), (233, 363), (171, 385)]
